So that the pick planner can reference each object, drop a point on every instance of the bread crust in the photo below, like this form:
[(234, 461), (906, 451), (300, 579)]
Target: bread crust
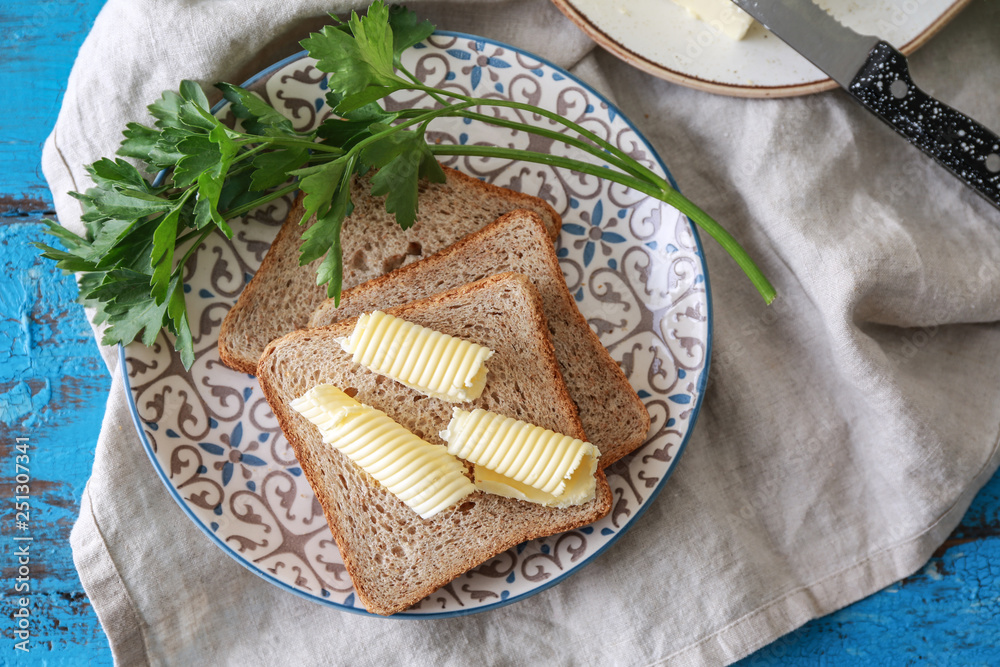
[(482, 526)]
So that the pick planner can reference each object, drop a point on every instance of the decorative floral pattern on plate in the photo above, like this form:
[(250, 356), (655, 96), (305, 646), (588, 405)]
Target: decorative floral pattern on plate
[(633, 264)]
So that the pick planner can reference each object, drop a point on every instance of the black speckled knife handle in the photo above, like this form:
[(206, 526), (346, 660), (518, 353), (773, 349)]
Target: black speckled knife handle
[(965, 147)]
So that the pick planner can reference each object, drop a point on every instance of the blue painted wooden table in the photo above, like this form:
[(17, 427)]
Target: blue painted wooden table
[(53, 386)]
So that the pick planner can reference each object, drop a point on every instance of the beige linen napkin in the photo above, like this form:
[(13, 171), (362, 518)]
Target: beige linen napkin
[(845, 430)]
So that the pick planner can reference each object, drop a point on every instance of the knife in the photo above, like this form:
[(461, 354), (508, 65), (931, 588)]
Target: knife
[(877, 76)]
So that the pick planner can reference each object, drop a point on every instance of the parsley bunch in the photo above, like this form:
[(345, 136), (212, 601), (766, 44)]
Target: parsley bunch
[(140, 231)]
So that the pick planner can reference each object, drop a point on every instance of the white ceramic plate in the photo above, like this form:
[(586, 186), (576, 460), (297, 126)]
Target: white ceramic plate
[(660, 37), (634, 265)]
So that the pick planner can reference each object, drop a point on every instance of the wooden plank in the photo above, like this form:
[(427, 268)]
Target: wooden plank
[(52, 381), (53, 390), (40, 40)]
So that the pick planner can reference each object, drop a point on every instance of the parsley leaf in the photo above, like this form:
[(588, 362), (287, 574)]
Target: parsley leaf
[(129, 307), (401, 159), (320, 183), (373, 37), (272, 169), (359, 63), (258, 116), (106, 202), (177, 314), (353, 125), (407, 31), (162, 259), (108, 172), (328, 197), (339, 54), (198, 155), (192, 92), (139, 143), (167, 110)]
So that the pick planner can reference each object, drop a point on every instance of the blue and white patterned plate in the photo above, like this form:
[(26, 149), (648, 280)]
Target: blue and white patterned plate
[(634, 265)]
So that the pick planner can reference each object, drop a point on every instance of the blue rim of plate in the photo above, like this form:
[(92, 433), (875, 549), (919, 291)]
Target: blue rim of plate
[(700, 385)]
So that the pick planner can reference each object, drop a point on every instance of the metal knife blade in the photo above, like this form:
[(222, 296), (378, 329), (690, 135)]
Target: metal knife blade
[(824, 41), (877, 76)]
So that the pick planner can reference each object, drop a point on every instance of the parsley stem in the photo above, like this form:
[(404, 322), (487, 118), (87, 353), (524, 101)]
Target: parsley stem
[(433, 92), (260, 201), (250, 152), (203, 234), (627, 166), (549, 159), (725, 239), (649, 182), (610, 152), (181, 240), (666, 194), (636, 176), (290, 141), (627, 162), (422, 119)]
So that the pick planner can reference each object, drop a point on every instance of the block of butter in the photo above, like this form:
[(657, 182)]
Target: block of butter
[(424, 476), (519, 460), (720, 14), (433, 363)]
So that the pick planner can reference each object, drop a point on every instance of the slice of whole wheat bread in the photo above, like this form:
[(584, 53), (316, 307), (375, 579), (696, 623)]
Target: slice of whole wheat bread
[(394, 557), (282, 294), (613, 416)]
